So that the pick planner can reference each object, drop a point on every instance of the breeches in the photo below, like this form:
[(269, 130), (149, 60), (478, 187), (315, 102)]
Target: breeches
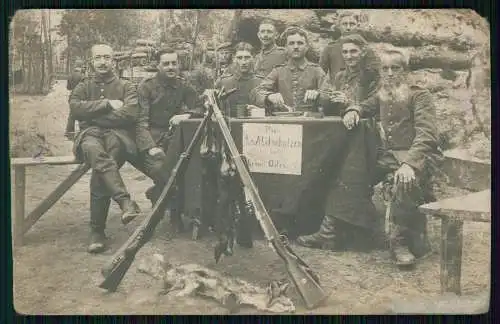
[(405, 206)]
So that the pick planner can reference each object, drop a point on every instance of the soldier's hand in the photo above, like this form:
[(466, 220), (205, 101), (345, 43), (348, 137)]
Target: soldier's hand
[(338, 97), (116, 104), (311, 95), (155, 151), (405, 176), (351, 119), (176, 119), (276, 99)]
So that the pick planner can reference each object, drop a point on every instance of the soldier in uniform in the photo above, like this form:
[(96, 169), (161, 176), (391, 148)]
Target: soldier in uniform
[(354, 85), (224, 59), (270, 54), (106, 108), (409, 132), (242, 78), (353, 89), (164, 100), (76, 77), (331, 60), (293, 85)]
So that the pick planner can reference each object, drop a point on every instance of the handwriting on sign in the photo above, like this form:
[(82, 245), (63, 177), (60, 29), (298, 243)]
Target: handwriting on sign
[(273, 148)]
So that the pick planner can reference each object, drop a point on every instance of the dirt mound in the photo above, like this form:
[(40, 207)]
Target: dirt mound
[(37, 123)]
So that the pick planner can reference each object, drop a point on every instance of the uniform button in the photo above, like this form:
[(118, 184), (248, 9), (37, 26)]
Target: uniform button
[(389, 137), (101, 97), (102, 90)]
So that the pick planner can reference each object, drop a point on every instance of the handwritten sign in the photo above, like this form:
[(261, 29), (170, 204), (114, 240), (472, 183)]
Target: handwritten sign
[(273, 148)]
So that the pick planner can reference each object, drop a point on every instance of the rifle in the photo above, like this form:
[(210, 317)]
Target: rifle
[(121, 261), (304, 279)]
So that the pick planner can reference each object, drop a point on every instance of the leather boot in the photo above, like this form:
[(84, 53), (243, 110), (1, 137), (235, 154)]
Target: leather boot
[(417, 237), (99, 208), (130, 210), (402, 256), (116, 187), (400, 252), (324, 239)]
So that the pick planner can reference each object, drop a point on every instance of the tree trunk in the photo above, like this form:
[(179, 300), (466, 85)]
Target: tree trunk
[(231, 35), (49, 45), (68, 55)]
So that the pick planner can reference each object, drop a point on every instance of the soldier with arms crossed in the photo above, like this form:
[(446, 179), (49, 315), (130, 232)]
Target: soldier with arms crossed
[(106, 108)]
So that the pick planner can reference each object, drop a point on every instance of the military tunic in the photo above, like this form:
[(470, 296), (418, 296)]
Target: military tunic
[(408, 126), (105, 140), (159, 101), (331, 60), (266, 60), (409, 133), (89, 104), (292, 82), (359, 89), (244, 84)]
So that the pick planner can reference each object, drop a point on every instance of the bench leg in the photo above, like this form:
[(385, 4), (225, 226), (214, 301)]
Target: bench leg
[(451, 254), (19, 203)]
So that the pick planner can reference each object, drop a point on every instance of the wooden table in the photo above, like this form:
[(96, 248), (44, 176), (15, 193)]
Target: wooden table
[(453, 212)]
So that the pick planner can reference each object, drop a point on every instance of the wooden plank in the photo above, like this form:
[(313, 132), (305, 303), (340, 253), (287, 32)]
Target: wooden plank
[(451, 255), (52, 160), (54, 196), (474, 207), (19, 196)]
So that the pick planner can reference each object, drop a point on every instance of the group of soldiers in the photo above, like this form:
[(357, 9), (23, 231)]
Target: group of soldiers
[(120, 122)]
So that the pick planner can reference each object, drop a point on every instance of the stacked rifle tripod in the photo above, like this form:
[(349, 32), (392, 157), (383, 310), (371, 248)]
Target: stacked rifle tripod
[(249, 202)]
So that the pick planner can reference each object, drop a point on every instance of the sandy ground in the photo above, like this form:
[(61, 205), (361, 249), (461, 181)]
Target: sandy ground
[(53, 273)]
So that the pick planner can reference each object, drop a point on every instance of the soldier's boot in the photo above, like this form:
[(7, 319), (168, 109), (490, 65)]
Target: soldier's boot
[(114, 183), (152, 195), (417, 237), (130, 210), (400, 252), (324, 239), (99, 208)]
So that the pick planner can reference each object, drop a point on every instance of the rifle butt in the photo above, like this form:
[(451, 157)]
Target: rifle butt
[(114, 276), (309, 289)]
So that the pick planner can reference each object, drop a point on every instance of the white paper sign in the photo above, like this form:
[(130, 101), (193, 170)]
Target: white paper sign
[(273, 148)]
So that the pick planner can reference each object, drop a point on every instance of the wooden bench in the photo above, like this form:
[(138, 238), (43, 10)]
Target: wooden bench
[(23, 223), (467, 173)]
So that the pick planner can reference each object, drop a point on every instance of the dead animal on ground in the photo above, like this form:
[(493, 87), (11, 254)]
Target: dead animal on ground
[(232, 293)]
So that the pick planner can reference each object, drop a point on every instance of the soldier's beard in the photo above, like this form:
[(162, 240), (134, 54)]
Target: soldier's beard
[(394, 91)]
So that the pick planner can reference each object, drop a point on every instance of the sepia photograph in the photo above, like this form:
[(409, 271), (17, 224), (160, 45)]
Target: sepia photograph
[(250, 161)]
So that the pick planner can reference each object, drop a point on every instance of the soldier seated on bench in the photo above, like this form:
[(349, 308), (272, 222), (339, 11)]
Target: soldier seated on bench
[(411, 153), (106, 109), (165, 99)]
